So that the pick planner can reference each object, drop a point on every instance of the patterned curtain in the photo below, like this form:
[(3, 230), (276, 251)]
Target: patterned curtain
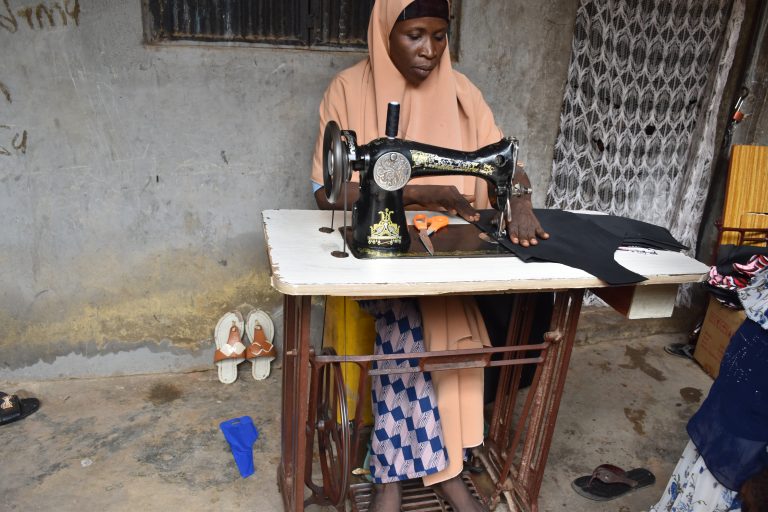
[(640, 109)]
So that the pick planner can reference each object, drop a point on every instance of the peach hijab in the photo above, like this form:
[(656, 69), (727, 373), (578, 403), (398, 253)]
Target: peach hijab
[(445, 110)]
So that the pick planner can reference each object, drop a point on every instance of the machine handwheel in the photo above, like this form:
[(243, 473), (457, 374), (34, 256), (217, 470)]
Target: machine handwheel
[(335, 162), (331, 424)]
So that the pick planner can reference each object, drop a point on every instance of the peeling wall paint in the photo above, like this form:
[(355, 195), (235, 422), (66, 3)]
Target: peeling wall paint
[(135, 176)]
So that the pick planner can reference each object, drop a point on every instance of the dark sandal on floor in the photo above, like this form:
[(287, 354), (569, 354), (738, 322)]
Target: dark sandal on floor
[(13, 408), (608, 482), (680, 350)]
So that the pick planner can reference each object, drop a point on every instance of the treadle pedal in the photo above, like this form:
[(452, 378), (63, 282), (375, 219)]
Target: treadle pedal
[(416, 497)]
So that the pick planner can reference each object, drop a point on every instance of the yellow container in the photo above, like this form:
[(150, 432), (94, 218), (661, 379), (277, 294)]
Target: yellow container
[(350, 331)]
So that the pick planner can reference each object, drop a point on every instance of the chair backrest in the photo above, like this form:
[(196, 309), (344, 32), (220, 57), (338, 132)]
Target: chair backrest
[(745, 213)]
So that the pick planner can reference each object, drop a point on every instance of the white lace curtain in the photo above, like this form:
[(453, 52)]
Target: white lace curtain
[(640, 109)]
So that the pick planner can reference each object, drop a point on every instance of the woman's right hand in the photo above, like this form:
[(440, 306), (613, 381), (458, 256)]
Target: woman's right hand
[(441, 197)]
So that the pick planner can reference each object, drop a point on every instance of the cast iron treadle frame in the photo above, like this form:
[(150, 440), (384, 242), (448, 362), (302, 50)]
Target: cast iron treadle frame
[(335, 447), (416, 497), (516, 448)]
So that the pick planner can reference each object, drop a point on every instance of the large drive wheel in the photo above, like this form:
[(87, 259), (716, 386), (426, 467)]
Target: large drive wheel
[(329, 424)]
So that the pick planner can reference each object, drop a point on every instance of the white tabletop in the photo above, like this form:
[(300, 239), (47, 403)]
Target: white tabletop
[(302, 264)]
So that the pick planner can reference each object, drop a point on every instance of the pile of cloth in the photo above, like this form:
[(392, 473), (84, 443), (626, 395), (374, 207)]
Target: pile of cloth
[(735, 268)]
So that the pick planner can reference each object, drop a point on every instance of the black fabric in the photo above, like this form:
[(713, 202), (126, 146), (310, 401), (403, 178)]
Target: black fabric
[(636, 232), (724, 295), (426, 9), (576, 241)]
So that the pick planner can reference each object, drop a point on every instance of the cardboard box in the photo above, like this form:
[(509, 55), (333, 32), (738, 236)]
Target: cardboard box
[(719, 325)]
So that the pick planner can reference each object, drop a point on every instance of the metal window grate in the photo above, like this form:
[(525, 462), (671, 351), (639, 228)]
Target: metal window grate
[(341, 22), (279, 22), (308, 23)]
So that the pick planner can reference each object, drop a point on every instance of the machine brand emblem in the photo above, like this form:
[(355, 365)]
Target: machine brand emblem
[(392, 171), (385, 232)]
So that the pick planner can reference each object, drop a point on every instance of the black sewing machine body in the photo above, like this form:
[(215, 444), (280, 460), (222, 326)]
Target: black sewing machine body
[(378, 216), (387, 164)]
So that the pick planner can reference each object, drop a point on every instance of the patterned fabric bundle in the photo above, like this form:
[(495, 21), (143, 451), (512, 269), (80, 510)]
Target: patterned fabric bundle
[(754, 297), (726, 281)]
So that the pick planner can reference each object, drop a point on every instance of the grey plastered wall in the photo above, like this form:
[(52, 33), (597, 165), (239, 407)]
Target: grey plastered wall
[(132, 177)]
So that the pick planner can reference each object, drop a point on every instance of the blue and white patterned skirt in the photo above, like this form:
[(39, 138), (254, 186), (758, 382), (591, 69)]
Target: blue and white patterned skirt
[(407, 439)]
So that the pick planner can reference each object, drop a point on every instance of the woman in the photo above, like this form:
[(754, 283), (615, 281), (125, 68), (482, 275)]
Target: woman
[(724, 467), (422, 422)]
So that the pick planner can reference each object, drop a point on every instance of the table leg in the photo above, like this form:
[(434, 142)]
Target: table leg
[(549, 394), (290, 473), (516, 451)]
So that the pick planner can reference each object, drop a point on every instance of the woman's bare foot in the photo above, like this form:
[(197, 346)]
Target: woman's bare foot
[(456, 493), (386, 498)]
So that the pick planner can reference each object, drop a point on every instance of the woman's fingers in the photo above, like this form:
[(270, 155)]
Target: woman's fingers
[(524, 228), (440, 197), (458, 204), (468, 213)]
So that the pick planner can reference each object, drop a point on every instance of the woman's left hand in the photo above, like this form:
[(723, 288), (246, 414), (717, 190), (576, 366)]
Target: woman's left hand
[(523, 227)]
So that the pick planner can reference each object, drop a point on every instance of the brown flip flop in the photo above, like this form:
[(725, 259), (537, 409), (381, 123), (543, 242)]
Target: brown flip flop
[(608, 482)]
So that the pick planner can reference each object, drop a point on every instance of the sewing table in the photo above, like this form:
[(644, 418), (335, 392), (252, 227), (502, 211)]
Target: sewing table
[(517, 445)]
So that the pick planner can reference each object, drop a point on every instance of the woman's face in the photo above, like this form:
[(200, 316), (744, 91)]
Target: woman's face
[(416, 46)]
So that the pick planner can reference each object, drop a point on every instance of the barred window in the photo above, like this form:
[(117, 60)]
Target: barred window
[(331, 24)]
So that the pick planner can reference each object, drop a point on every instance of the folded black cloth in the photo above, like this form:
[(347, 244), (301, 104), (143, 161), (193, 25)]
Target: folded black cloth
[(575, 240), (729, 298), (635, 232)]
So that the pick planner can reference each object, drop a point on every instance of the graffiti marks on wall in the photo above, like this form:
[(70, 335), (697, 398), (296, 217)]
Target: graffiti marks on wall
[(5, 92), (18, 144), (41, 16), (12, 142)]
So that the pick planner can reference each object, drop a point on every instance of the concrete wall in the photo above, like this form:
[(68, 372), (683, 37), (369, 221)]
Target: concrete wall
[(132, 177), (754, 128)]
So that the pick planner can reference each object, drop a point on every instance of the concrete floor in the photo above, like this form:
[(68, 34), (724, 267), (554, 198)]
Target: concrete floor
[(152, 442)]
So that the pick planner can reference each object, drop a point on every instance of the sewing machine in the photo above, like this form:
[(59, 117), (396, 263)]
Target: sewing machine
[(387, 164)]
